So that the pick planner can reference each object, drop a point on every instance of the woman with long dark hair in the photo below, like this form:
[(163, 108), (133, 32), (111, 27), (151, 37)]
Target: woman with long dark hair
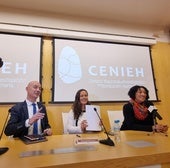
[(76, 118)]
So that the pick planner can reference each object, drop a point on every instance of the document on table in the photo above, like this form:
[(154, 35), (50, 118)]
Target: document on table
[(88, 141), (92, 118), (140, 143)]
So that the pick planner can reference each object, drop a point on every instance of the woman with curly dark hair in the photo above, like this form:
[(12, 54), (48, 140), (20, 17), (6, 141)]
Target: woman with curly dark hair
[(76, 118), (136, 113)]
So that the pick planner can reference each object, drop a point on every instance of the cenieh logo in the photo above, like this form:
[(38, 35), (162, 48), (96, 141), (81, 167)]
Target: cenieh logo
[(70, 70), (69, 67)]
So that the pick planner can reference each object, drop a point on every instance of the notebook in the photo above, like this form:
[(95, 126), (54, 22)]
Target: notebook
[(30, 139)]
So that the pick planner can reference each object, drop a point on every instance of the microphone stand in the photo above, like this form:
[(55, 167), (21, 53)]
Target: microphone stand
[(4, 149), (154, 122), (107, 141)]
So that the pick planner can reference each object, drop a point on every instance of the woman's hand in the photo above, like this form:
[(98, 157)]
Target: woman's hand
[(84, 125), (101, 123), (165, 128), (161, 128)]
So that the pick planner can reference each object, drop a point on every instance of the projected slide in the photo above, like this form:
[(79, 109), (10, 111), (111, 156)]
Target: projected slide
[(21, 57), (106, 70)]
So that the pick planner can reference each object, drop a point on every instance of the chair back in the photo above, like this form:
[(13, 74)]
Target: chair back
[(64, 119), (115, 115)]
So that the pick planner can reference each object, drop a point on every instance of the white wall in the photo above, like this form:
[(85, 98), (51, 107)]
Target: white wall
[(52, 24)]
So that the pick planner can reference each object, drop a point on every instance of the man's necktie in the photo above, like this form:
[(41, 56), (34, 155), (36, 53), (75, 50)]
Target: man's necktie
[(35, 125)]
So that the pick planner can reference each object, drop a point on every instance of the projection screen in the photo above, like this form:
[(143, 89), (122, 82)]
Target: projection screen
[(21, 56), (106, 70)]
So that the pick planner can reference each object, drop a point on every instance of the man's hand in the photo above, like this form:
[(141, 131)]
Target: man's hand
[(38, 115)]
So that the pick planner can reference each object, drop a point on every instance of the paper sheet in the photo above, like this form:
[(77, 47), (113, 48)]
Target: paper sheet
[(80, 141), (92, 118), (140, 144)]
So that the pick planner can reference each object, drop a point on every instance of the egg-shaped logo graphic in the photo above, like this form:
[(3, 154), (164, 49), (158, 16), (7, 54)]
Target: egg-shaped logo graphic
[(69, 68)]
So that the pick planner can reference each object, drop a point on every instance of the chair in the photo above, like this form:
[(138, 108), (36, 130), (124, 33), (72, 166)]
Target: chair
[(115, 115), (64, 118)]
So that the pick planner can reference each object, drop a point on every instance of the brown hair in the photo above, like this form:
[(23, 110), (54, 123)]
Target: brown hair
[(77, 106)]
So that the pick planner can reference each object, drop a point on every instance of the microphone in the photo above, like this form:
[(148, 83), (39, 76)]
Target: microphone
[(154, 110), (4, 149), (107, 141), (1, 62)]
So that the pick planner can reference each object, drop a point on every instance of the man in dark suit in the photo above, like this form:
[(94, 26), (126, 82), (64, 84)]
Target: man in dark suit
[(22, 119)]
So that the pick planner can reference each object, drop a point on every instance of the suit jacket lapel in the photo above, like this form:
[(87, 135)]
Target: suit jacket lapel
[(25, 109)]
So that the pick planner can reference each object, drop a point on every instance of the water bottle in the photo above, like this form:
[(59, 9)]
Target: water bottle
[(116, 129)]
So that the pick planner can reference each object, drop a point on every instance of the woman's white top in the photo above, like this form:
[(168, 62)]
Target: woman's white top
[(71, 123)]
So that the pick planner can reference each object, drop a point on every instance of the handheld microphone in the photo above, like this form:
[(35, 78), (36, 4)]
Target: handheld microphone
[(4, 149), (1, 62), (107, 141), (154, 110)]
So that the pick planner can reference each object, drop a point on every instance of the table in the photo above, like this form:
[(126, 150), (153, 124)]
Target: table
[(119, 156)]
